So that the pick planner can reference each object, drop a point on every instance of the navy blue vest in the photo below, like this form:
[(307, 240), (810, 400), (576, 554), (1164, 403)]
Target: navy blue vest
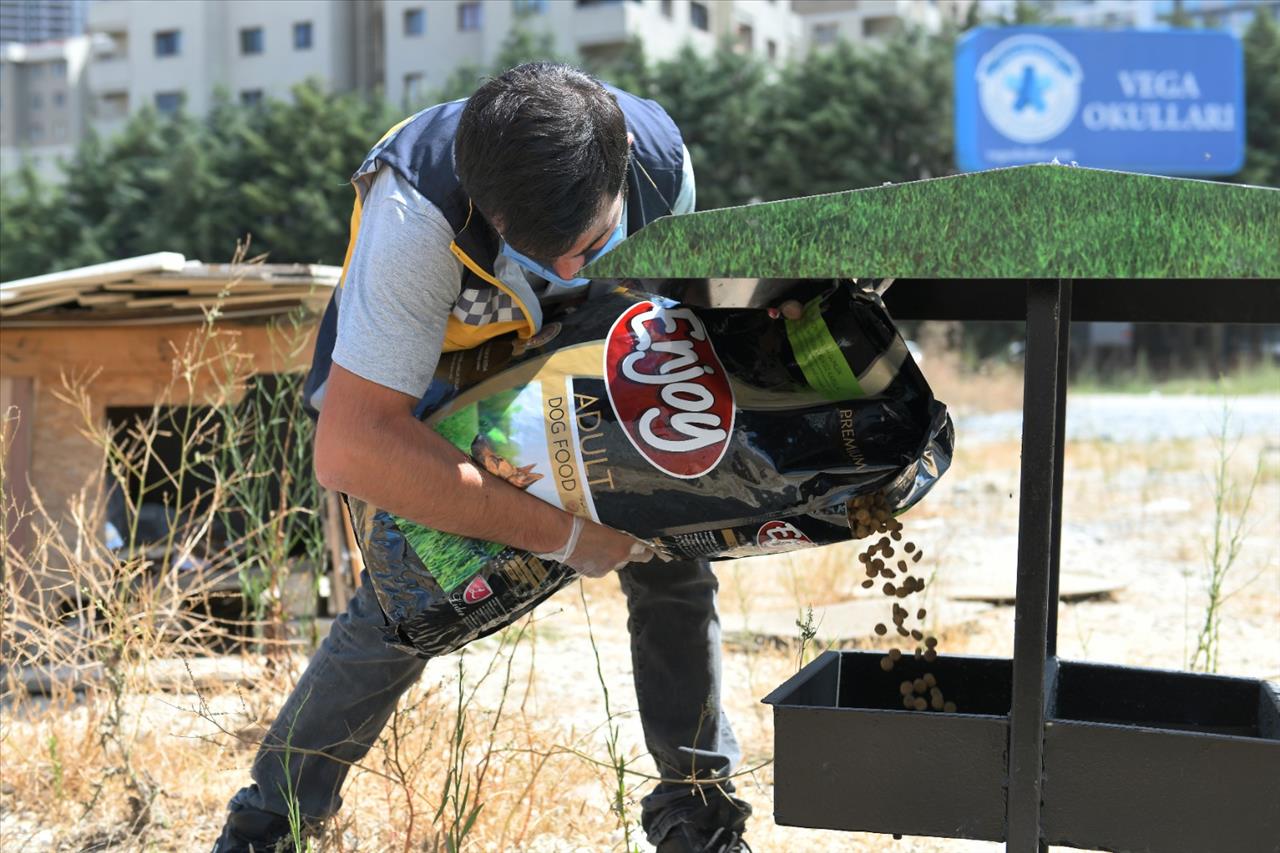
[(420, 149)]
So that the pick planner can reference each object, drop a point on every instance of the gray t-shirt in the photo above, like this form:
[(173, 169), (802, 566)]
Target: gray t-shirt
[(402, 282)]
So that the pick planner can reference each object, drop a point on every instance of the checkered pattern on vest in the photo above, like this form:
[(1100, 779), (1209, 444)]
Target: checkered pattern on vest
[(477, 306)]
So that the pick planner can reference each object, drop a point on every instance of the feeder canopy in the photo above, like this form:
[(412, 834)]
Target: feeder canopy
[(1044, 221)]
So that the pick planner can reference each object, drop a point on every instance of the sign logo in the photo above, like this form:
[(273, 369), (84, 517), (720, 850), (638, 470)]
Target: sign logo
[(778, 534), (1029, 88), (668, 389), (476, 591)]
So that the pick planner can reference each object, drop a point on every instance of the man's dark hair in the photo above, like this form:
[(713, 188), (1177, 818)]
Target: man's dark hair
[(540, 150)]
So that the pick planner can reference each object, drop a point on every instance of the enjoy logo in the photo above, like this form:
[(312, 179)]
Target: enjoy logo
[(779, 534), (668, 389)]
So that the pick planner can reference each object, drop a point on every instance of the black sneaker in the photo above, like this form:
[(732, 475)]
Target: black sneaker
[(254, 832), (688, 838)]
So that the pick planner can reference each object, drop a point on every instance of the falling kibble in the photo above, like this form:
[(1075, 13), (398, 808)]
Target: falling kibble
[(869, 515)]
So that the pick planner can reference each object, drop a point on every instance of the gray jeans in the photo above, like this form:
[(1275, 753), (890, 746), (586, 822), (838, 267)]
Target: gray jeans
[(352, 684)]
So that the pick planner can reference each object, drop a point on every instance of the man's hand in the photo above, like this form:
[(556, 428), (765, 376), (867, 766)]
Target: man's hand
[(601, 550), (791, 309)]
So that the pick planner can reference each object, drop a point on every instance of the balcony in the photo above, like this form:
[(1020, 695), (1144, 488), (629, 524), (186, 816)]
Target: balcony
[(109, 74)]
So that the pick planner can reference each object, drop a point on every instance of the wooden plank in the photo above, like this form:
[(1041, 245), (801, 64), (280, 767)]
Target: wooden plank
[(17, 411), (353, 549), (94, 274), (340, 589), (100, 298), (32, 305), (171, 301), (150, 317), (186, 285)]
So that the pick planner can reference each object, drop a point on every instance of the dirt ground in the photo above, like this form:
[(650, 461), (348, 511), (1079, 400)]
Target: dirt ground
[(1139, 517)]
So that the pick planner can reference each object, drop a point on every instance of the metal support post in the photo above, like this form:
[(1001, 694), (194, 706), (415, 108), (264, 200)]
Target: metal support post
[(1046, 325), (1059, 446)]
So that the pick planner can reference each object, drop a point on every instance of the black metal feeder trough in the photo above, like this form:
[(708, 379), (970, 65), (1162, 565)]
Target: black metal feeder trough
[(1045, 751)]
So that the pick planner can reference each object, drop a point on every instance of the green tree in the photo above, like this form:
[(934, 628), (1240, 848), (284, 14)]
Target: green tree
[(858, 116), (297, 201), (521, 45), (717, 102), (1262, 102), (33, 223)]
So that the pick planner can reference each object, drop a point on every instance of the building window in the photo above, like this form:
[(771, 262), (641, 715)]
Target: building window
[(59, 131), (826, 33), (668, 9), (36, 101), (415, 88), (746, 38), (168, 42), (469, 16), (59, 98), (112, 105), (35, 71), (250, 97), (415, 22), (60, 69), (880, 27), (302, 35), (251, 41), (168, 103), (35, 133), (698, 16), (771, 49), (524, 8)]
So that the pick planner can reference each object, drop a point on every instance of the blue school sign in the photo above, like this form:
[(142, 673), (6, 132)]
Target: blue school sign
[(1169, 102)]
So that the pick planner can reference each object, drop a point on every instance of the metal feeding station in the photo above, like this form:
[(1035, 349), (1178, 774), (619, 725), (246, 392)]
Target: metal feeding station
[(1043, 751)]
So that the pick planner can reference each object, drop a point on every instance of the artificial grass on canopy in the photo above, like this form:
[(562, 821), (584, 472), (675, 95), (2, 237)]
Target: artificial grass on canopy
[(1045, 221)]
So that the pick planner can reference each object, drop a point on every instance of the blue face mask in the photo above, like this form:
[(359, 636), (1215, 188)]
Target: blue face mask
[(619, 234)]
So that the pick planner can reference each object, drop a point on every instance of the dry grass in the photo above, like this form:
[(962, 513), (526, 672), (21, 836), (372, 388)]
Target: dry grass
[(516, 731)]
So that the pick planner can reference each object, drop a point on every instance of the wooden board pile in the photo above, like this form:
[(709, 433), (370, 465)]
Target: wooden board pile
[(163, 288)]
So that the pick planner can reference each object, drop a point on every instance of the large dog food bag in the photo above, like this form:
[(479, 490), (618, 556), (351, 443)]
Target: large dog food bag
[(709, 433)]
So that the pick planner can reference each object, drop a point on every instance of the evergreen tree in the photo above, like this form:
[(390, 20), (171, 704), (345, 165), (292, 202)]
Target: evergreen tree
[(1262, 102), (34, 224), (717, 102)]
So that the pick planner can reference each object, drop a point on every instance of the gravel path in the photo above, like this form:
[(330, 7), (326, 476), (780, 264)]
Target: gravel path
[(1136, 418)]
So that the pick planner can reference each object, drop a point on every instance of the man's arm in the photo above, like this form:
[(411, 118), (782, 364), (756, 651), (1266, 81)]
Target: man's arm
[(369, 444)]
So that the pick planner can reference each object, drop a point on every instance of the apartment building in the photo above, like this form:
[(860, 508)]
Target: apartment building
[(30, 21), (44, 103), (177, 55), (425, 40), (1232, 15), (826, 22)]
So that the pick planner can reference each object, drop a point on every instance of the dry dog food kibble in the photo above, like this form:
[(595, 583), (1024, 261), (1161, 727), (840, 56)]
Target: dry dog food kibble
[(868, 516)]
